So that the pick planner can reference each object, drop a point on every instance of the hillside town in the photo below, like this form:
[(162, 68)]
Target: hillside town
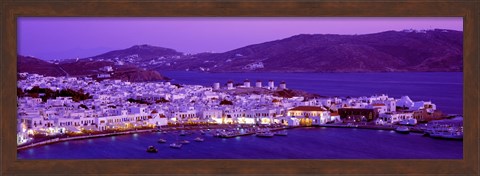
[(108, 105)]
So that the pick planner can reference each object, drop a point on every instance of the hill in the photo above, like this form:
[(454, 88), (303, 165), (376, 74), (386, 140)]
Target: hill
[(390, 51), (88, 68)]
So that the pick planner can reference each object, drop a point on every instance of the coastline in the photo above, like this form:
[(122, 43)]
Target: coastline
[(55, 140), (167, 128), (173, 128)]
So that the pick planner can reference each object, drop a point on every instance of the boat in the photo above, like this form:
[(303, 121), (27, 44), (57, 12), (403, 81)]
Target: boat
[(281, 133), (447, 135), (162, 140), (352, 125), (226, 135), (152, 149), (176, 145), (202, 132), (182, 133), (402, 130), (184, 142), (199, 139), (264, 134)]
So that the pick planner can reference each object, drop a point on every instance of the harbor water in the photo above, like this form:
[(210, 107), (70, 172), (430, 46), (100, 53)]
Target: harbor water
[(300, 143)]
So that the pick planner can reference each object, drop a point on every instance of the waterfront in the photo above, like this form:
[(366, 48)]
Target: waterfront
[(445, 89), (301, 143), (312, 143)]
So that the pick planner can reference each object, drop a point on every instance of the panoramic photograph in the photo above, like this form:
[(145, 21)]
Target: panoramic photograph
[(239, 88)]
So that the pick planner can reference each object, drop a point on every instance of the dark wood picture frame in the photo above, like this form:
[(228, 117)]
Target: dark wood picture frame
[(11, 10)]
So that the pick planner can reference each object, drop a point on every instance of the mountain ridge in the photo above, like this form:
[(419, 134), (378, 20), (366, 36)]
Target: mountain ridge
[(436, 50), (80, 68)]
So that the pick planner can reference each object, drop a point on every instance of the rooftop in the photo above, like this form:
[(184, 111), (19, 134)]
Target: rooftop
[(307, 108)]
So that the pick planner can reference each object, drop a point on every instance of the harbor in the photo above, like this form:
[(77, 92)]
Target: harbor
[(300, 143), (436, 130)]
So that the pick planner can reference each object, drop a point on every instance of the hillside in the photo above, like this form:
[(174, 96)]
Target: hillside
[(34, 65), (88, 68), (390, 51), (140, 55)]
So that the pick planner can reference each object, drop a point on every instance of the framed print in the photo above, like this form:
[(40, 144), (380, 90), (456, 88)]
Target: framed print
[(240, 88)]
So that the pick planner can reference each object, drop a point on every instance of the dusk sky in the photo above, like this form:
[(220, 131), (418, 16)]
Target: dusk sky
[(68, 37)]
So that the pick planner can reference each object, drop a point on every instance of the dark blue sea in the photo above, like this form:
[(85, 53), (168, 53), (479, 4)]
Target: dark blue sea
[(444, 89), (301, 143)]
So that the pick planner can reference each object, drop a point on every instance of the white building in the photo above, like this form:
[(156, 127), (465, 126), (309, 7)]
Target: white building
[(395, 117), (216, 86), (258, 84), (271, 84), (106, 69), (246, 83), (317, 115), (230, 85), (282, 85)]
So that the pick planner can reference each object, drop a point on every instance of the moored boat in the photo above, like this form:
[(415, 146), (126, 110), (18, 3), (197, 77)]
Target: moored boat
[(184, 142), (162, 140), (199, 139), (402, 130), (176, 145), (264, 134), (152, 149), (446, 129), (352, 125), (183, 133), (447, 135)]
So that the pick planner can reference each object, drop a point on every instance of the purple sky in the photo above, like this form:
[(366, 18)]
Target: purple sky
[(71, 37)]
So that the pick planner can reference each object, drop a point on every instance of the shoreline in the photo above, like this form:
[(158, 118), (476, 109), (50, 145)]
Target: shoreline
[(173, 128), (165, 128), (56, 140)]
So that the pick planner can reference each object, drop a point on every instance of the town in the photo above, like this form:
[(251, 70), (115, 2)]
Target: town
[(52, 106)]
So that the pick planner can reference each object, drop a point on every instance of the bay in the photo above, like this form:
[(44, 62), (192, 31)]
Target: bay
[(301, 143), (445, 89)]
